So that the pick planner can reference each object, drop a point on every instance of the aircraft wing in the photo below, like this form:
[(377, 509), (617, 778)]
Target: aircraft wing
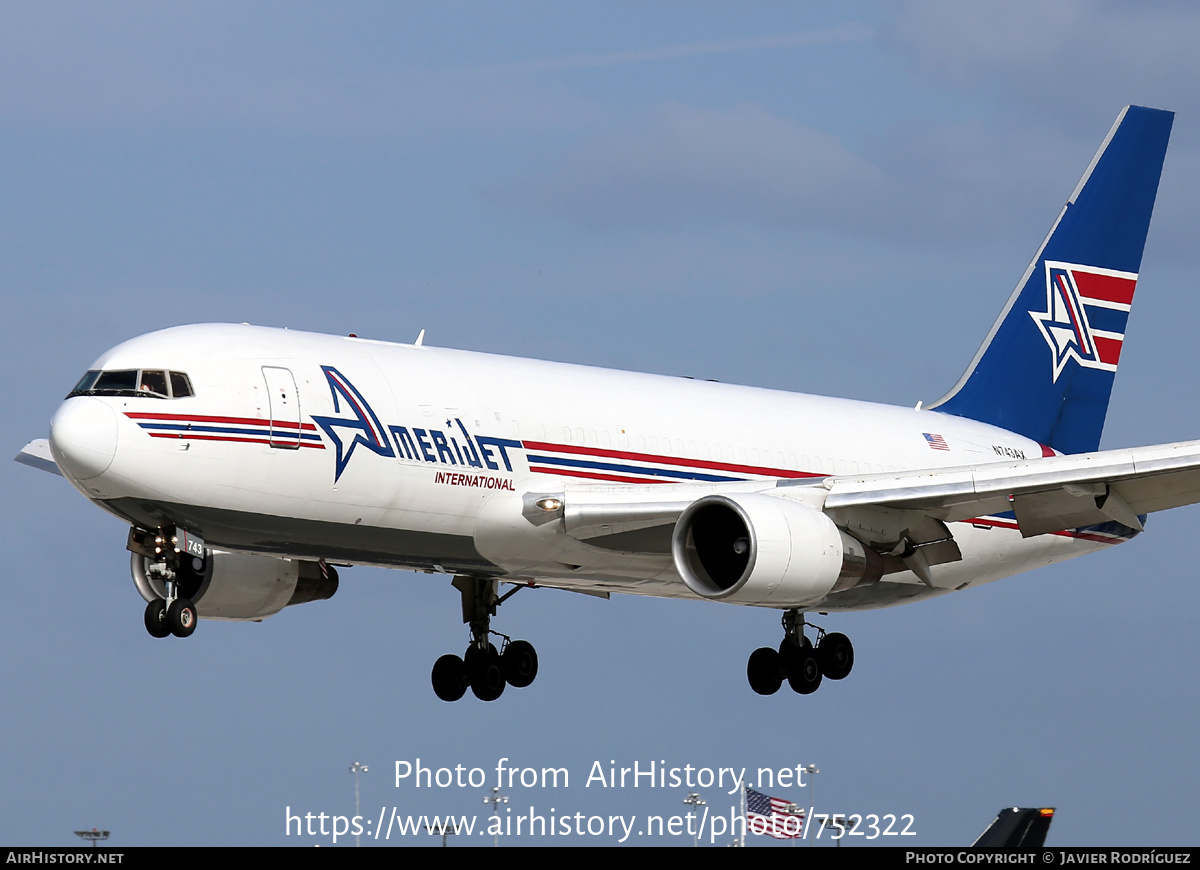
[(1046, 495)]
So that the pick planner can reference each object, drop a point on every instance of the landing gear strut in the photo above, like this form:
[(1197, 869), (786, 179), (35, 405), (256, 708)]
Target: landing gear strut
[(798, 661), (482, 668)]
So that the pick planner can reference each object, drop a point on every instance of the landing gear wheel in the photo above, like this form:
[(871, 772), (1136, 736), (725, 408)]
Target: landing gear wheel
[(790, 651), (483, 669), (156, 618), (449, 677), (803, 670), (473, 652), (181, 617), (519, 663), (836, 655), (765, 671)]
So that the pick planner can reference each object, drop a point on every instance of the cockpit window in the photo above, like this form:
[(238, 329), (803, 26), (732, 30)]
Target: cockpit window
[(181, 385), (143, 383), (154, 382), (85, 383), (116, 382)]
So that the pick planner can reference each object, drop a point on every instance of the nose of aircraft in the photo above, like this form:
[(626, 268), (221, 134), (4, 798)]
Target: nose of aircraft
[(83, 437)]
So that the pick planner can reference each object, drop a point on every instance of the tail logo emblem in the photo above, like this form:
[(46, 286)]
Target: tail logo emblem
[(1085, 316)]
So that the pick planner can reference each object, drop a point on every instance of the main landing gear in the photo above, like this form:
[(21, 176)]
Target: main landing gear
[(798, 661), (483, 668)]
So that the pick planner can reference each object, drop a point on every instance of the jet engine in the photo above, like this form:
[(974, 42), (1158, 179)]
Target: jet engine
[(236, 586), (750, 548)]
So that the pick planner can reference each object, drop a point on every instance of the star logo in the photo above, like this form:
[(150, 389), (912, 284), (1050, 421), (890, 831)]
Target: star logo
[(1075, 297), (363, 428)]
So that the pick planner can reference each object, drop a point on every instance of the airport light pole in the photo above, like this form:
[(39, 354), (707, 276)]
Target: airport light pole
[(94, 836), (811, 769), (495, 800), (356, 768), (443, 828), (840, 818), (694, 800)]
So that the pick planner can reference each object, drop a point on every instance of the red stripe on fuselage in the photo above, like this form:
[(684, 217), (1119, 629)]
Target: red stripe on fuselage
[(667, 460), (191, 436), (592, 475), (242, 421)]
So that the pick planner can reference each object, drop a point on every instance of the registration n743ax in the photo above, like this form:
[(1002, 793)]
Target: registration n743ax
[(251, 462)]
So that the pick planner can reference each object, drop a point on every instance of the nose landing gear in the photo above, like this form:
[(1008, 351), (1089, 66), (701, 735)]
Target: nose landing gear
[(175, 616), (177, 568)]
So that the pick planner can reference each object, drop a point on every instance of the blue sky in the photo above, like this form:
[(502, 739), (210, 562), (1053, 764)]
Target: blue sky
[(832, 201)]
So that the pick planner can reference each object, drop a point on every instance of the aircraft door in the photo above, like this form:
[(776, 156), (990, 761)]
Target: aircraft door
[(284, 406)]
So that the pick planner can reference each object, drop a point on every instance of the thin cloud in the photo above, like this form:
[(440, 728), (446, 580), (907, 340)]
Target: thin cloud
[(687, 165), (829, 36)]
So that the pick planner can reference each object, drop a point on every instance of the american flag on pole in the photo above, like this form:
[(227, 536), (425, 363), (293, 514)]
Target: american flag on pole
[(773, 816), (936, 442)]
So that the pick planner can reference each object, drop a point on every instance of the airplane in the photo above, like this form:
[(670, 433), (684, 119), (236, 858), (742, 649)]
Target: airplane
[(250, 463), (1017, 828)]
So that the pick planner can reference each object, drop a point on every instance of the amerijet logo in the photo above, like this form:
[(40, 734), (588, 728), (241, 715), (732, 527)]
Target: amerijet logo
[(1086, 312), (452, 446), (346, 434)]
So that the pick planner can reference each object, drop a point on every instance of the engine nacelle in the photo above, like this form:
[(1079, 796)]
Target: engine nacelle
[(236, 586), (761, 549)]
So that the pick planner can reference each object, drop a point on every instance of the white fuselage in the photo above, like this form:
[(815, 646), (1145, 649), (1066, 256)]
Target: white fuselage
[(427, 458)]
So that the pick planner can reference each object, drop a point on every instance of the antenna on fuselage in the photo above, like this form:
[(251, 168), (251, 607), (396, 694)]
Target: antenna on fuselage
[(420, 339)]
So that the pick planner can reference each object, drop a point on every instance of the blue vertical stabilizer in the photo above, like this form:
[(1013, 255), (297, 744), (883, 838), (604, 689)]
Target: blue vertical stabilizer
[(1046, 368)]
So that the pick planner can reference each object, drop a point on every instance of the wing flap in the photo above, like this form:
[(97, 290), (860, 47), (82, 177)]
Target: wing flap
[(1041, 512), (1047, 495), (1162, 491)]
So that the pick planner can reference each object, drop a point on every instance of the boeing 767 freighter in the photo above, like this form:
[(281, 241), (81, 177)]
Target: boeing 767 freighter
[(248, 462)]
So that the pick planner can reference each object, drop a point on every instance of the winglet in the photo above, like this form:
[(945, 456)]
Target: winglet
[(1046, 368)]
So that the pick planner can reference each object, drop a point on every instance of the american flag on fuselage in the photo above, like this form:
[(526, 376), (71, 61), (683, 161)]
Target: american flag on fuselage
[(935, 441)]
